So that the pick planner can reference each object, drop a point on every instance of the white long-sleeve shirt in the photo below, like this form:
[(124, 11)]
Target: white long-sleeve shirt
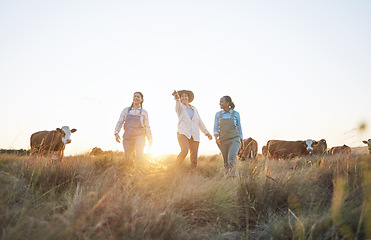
[(187, 126), (143, 118)]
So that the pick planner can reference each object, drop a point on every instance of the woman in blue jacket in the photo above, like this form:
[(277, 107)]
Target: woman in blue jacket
[(228, 133)]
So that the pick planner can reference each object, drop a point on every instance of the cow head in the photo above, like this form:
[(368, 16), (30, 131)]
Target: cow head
[(66, 134), (309, 144), (345, 149), (368, 143), (321, 146)]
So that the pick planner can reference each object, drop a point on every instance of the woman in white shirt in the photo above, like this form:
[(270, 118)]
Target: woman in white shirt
[(134, 120), (189, 126)]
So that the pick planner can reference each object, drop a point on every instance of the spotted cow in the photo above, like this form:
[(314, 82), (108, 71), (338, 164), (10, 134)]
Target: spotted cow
[(288, 149), (368, 142), (51, 142)]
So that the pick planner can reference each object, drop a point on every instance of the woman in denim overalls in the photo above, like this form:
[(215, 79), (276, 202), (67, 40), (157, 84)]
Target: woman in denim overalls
[(228, 133), (136, 128)]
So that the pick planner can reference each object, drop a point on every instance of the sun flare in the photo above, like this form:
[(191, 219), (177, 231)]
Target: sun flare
[(157, 150)]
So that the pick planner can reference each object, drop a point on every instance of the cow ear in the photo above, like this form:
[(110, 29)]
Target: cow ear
[(58, 129), (365, 142), (315, 143), (73, 130)]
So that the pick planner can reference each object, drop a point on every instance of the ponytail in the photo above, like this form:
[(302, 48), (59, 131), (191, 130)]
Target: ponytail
[(229, 100)]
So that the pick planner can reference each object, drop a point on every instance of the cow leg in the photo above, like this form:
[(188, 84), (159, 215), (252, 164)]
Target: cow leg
[(60, 156), (34, 151)]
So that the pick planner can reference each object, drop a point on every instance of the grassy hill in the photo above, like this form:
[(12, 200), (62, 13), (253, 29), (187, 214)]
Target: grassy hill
[(99, 197)]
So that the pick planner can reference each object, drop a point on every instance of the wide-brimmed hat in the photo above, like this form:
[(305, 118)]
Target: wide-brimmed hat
[(189, 93)]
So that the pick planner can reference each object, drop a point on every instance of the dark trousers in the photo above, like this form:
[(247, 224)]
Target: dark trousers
[(185, 146)]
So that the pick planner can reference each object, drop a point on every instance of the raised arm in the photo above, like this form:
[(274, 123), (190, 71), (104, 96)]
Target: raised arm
[(178, 103)]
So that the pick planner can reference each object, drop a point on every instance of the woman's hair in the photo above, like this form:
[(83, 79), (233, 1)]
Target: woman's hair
[(229, 100), (141, 104)]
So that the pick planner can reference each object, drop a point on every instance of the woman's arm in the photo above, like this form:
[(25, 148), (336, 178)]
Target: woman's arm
[(120, 123), (216, 128), (216, 124), (239, 124), (178, 104), (147, 128), (202, 126)]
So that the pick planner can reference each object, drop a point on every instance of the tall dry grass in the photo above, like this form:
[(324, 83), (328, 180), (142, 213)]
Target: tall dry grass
[(99, 197)]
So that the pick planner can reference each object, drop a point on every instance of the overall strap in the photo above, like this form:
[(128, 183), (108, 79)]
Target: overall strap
[(221, 114), (233, 111)]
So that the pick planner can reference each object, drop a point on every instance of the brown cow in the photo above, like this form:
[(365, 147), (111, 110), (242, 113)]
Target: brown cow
[(289, 149), (340, 150), (53, 142), (368, 144), (250, 149), (320, 148)]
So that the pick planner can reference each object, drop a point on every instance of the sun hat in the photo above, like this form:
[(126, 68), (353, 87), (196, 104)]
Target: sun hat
[(189, 93)]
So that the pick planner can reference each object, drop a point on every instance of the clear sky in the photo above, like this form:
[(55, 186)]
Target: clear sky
[(295, 69)]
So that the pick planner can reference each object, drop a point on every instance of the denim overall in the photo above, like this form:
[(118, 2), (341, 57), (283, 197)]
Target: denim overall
[(134, 137), (229, 142)]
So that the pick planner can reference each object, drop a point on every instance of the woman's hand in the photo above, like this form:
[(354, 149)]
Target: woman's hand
[(217, 140), (175, 94), (209, 136), (118, 139)]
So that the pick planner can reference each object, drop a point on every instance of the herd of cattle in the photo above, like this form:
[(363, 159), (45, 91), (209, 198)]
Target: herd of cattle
[(54, 142), (279, 149)]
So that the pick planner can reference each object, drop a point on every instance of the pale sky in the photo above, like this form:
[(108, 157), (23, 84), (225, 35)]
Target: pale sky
[(295, 70)]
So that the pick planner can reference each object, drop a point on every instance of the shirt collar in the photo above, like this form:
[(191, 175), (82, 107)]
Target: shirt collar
[(189, 105), (230, 111)]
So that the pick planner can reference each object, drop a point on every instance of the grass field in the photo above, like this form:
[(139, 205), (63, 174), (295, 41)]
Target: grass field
[(99, 197)]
